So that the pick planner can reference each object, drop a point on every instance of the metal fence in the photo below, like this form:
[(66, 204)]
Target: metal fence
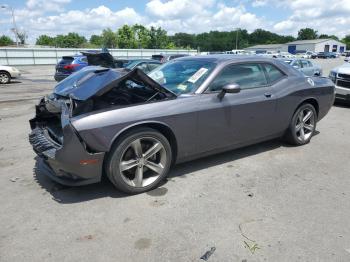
[(49, 56)]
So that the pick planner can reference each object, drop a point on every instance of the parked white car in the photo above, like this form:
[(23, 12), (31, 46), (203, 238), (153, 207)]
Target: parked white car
[(7, 73), (306, 55), (341, 78), (286, 55)]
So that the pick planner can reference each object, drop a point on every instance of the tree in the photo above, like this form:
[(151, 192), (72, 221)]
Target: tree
[(72, 40), (325, 36), (307, 34), (142, 36), (126, 37), (109, 38), (45, 40), (96, 40), (158, 38), (5, 40), (183, 40), (346, 40)]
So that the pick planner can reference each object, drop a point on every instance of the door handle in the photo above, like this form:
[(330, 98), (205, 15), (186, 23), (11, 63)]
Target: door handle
[(268, 95)]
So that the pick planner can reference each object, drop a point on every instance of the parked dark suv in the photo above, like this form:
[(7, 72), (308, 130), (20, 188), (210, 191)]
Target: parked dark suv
[(70, 64)]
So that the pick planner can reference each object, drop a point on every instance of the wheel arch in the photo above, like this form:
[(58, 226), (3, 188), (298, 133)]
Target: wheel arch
[(161, 127), (4, 71), (311, 100)]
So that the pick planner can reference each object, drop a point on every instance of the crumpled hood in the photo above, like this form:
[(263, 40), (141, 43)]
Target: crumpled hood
[(343, 69), (96, 81)]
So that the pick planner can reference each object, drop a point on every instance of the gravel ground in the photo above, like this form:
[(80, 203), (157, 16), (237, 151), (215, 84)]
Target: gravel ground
[(268, 202)]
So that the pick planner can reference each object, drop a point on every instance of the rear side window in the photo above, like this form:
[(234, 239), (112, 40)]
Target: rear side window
[(157, 57), (153, 66), (305, 63), (246, 75), (66, 60), (273, 72)]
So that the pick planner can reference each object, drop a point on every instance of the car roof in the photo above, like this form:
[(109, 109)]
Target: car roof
[(143, 60)]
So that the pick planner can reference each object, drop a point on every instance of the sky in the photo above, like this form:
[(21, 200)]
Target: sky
[(87, 17)]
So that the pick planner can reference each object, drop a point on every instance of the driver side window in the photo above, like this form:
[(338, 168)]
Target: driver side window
[(245, 75)]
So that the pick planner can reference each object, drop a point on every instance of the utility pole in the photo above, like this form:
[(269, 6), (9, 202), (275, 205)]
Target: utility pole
[(15, 30)]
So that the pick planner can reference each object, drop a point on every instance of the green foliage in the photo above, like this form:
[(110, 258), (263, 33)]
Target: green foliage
[(45, 40), (5, 40), (346, 40), (109, 38), (96, 40), (126, 37), (142, 36), (307, 34), (138, 36), (325, 36), (158, 38)]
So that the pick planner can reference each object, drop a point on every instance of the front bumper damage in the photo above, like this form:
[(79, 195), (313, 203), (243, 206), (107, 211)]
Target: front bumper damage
[(66, 157)]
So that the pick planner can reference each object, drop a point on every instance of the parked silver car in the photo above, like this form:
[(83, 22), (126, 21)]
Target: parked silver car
[(341, 78), (305, 66)]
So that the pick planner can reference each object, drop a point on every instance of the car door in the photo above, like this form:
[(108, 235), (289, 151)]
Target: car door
[(238, 118), (306, 68)]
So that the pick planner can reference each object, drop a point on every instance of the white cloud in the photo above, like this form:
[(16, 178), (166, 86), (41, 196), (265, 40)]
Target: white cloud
[(47, 5), (328, 17), (51, 17), (178, 8), (202, 19)]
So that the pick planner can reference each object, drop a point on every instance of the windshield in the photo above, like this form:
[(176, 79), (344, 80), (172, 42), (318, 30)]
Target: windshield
[(131, 64), (182, 76)]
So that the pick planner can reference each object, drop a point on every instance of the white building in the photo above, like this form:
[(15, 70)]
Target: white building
[(265, 48), (315, 45)]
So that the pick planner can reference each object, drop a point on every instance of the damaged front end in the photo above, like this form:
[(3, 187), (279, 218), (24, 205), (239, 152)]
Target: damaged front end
[(68, 159)]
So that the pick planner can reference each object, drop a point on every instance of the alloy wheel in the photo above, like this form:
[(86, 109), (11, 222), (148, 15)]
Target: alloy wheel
[(305, 124), (143, 162), (4, 78)]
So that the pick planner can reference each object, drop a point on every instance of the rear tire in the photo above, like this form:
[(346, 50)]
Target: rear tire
[(5, 77), (139, 161), (302, 126)]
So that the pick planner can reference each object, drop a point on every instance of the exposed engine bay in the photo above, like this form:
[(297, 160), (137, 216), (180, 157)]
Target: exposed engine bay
[(110, 92)]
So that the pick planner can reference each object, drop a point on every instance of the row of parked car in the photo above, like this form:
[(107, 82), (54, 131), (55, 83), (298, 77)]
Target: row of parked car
[(71, 64)]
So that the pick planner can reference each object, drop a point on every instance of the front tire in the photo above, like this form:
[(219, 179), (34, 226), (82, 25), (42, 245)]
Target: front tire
[(5, 77), (139, 161), (302, 126)]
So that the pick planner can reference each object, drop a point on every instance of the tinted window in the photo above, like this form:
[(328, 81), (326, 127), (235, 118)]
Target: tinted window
[(273, 72), (296, 64), (157, 57), (304, 63), (246, 75), (143, 67), (153, 66)]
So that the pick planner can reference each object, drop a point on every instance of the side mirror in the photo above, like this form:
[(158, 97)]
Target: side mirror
[(229, 88)]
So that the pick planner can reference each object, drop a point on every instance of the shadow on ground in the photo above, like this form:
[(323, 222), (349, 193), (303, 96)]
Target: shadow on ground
[(342, 104), (68, 195)]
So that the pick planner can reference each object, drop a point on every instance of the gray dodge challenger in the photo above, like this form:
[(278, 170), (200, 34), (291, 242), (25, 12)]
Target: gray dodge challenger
[(133, 127)]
